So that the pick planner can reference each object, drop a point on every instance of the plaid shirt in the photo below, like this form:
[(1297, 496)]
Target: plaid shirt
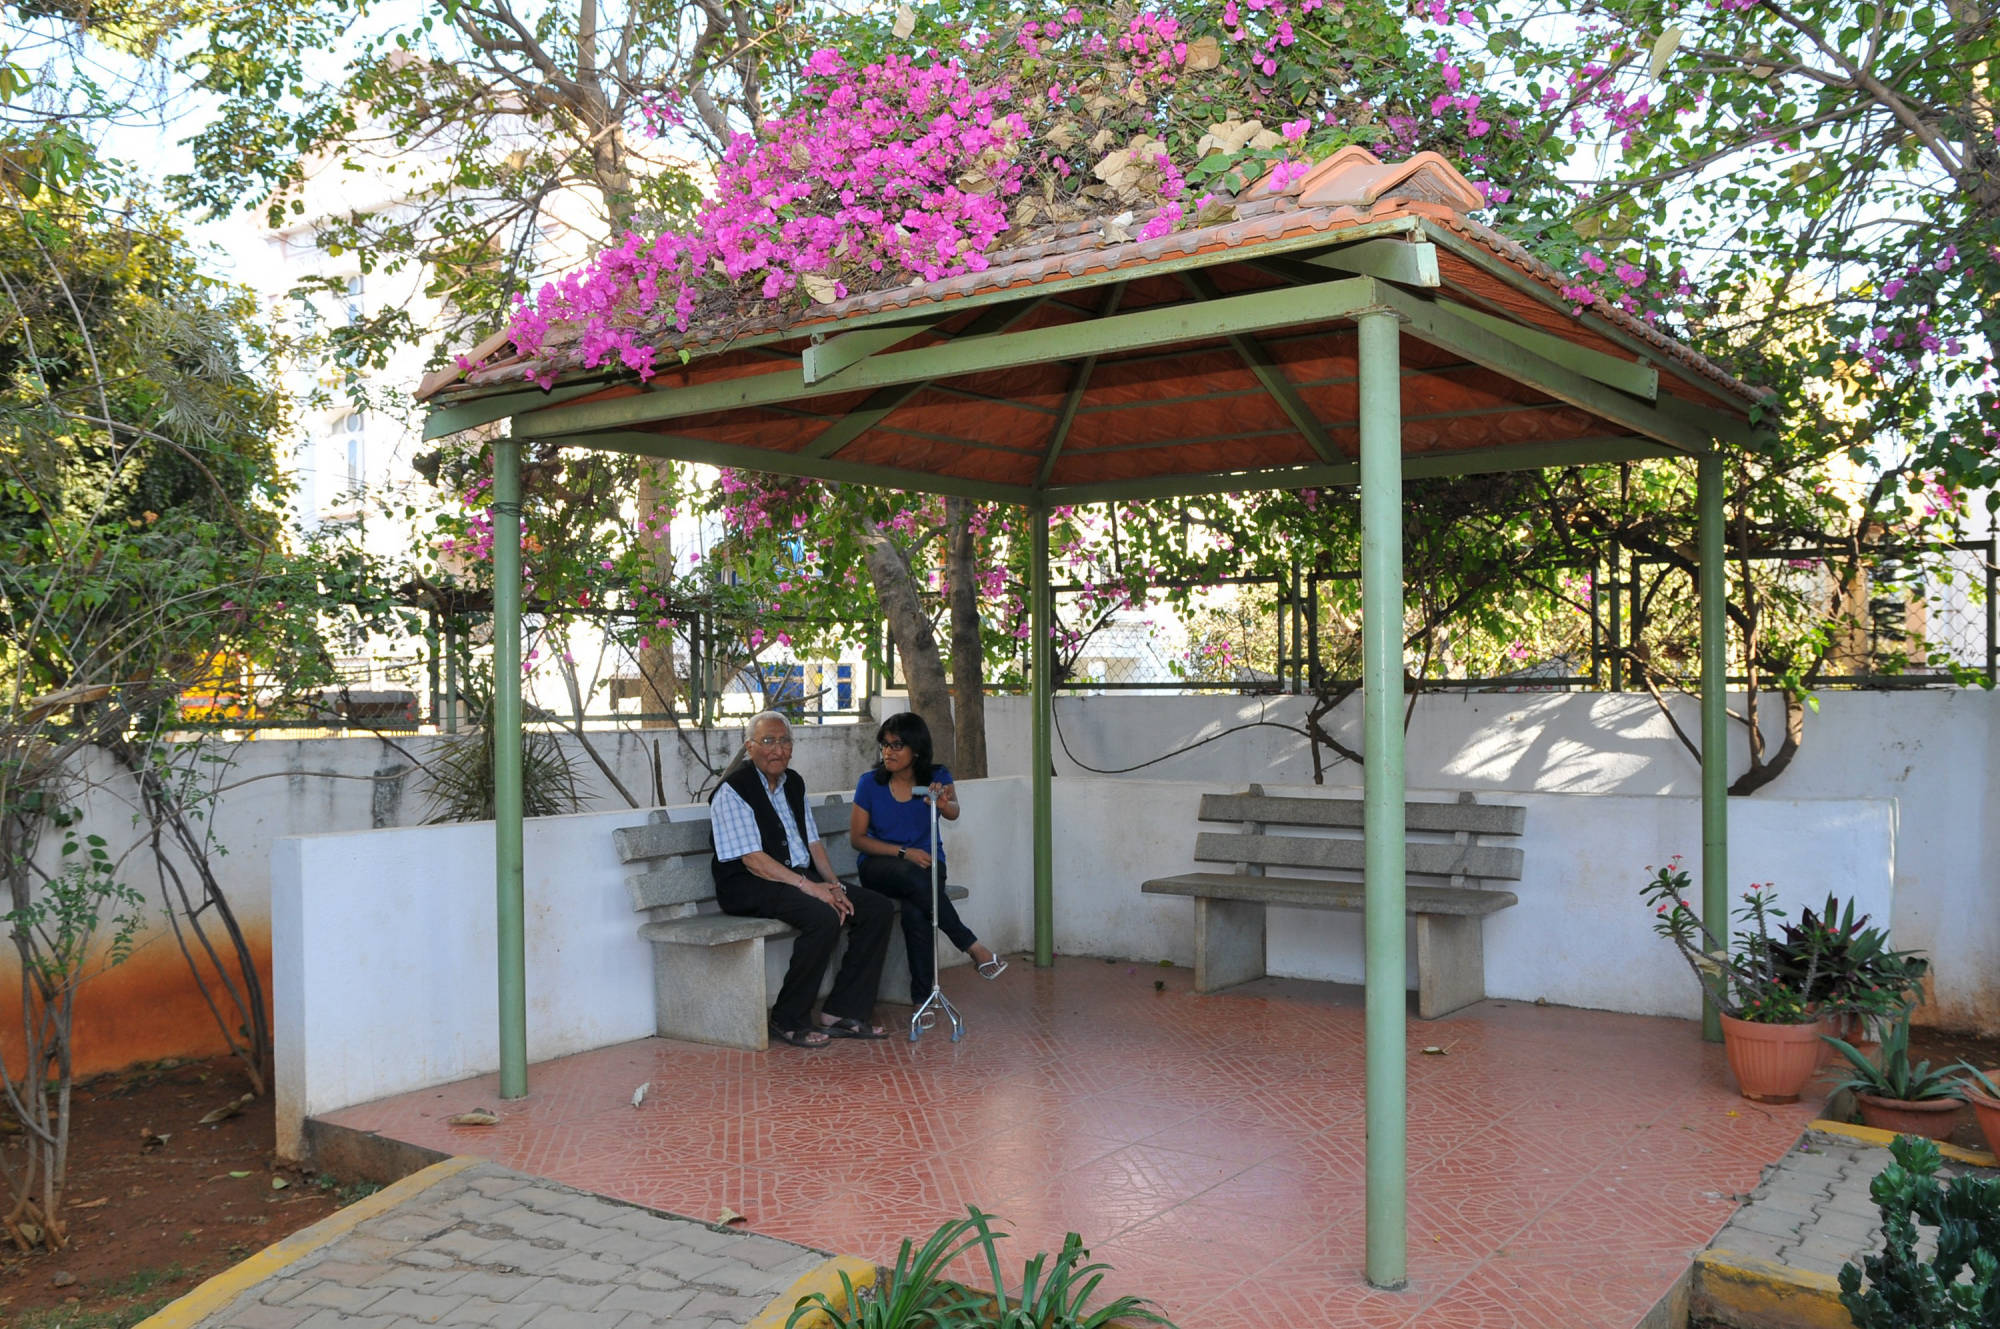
[(735, 827)]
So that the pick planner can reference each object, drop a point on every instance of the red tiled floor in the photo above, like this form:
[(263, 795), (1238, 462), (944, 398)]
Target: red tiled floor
[(1564, 1165)]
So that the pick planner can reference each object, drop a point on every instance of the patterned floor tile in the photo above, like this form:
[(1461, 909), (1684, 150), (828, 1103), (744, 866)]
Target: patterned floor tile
[(1562, 1164)]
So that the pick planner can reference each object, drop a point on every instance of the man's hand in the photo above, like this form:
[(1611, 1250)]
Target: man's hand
[(828, 893)]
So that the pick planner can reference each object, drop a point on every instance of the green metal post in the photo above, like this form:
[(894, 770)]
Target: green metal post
[(1382, 793), (1041, 656), (507, 767), (451, 675), (1714, 717)]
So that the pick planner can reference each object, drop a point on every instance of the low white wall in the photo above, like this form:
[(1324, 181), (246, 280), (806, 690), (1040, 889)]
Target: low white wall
[(1934, 754), (1580, 936), (384, 946)]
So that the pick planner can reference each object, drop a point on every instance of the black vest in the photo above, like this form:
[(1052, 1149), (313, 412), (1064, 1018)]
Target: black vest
[(748, 782)]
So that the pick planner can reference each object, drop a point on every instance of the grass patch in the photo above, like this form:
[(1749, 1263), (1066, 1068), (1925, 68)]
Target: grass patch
[(347, 1192), (79, 1317), (140, 1281)]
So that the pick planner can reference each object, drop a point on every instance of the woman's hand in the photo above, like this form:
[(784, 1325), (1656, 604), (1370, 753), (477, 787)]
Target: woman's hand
[(920, 857), (945, 797)]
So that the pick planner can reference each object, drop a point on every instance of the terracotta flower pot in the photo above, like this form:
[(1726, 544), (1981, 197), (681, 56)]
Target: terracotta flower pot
[(1934, 1118), (1772, 1062), (1987, 1109)]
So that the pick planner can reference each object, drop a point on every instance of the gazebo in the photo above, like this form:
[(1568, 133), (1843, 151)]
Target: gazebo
[(1355, 328)]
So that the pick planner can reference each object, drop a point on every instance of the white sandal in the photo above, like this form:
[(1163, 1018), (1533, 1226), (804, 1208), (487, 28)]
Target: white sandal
[(994, 967)]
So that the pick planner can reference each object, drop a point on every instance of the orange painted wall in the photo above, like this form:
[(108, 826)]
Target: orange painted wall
[(145, 1009)]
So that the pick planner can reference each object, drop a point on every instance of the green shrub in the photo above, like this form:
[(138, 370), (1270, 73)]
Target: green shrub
[(1960, 1287)]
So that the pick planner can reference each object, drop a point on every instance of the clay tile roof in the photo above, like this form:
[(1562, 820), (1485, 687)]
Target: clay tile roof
[(1356, 177), (1423, 197)]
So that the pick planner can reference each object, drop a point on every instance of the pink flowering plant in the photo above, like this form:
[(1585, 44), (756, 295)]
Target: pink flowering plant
[(912, 153), (1744, 978)]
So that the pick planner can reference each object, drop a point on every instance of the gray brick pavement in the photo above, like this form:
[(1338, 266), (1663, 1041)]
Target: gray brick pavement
[(487, 1248), (1811, 1212)]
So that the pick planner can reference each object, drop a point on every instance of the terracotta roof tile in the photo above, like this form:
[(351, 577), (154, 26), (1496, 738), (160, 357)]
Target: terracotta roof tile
[(1346, 191)]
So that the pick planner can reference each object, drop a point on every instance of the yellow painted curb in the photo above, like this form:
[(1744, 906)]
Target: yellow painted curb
[(1746, 1289), (823, 1278), (1870, 1135), (234, 1281)]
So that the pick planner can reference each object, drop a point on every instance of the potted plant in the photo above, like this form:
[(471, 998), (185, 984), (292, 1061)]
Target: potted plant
[(1979, 1090), (1894, 1095), (1770, 1031), (1860, 980)]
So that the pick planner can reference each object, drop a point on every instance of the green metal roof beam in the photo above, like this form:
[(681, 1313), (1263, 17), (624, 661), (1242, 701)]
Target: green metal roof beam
[(1074, 399), (1429, 465), (1495, 266), (1641, 380), (1259, 362), (444, 421), (826, 356), (1441, 326), (1391, 260), (1211, 320), (642, 443), (881, 405)]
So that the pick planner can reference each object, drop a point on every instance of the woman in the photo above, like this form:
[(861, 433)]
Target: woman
[(890, 830)]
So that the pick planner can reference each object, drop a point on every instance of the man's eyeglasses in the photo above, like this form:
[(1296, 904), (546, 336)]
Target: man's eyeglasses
[(893, 745), (770, 742)]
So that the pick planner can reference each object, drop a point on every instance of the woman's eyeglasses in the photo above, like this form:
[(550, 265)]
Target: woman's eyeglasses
[(893, 745)]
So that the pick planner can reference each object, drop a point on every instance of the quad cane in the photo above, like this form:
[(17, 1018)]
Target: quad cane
[(926, 1014)]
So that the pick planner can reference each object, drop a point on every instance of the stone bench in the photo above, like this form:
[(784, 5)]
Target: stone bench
[(709, 967), (1230, 906)]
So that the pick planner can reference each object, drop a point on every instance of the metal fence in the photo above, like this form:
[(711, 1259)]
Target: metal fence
[(1910, 624)]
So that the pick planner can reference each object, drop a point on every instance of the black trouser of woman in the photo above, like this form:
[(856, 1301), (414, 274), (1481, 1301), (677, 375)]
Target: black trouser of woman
[(910, 887), (853, 994)]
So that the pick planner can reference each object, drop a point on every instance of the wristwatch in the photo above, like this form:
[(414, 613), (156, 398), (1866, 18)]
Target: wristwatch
[(901, 851)]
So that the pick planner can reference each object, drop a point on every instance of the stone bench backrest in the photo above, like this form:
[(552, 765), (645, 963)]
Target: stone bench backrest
[(1457, 858), (673, 856)]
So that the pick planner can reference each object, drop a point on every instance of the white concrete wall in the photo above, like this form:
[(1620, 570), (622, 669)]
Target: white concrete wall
[(384, 949), (1934, 754), (1580, 936)]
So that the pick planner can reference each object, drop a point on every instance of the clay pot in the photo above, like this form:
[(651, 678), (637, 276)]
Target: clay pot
[(1933, 1118), (1772, 1062), (1986, 1109)]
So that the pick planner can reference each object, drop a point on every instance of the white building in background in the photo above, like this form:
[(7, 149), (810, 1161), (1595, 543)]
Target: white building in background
[(358, 436)]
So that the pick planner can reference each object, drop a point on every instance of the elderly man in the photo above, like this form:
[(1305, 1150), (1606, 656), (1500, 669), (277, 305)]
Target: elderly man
[(769, 863)]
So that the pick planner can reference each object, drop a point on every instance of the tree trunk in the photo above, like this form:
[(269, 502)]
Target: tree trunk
[(968, 646), (910, 626), (659, 686)]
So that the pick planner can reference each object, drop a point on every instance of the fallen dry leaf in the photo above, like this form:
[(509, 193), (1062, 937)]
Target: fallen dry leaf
[(223, 1113), (476, 1117), (99, 1202), (729, 1217)]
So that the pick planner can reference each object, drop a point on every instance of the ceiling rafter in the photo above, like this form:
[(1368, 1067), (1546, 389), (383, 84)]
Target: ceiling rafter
[(1079, 384)]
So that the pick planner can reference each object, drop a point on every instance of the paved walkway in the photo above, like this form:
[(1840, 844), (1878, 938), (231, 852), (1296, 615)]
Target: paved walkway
[(469, 1243), (1776, 1263)]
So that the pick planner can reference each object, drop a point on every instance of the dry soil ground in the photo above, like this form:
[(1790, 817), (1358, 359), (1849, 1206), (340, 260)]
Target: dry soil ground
[(157, 1201)]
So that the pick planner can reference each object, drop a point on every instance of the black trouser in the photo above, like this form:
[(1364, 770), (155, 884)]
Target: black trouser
[(910, 887), (853, 994)]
